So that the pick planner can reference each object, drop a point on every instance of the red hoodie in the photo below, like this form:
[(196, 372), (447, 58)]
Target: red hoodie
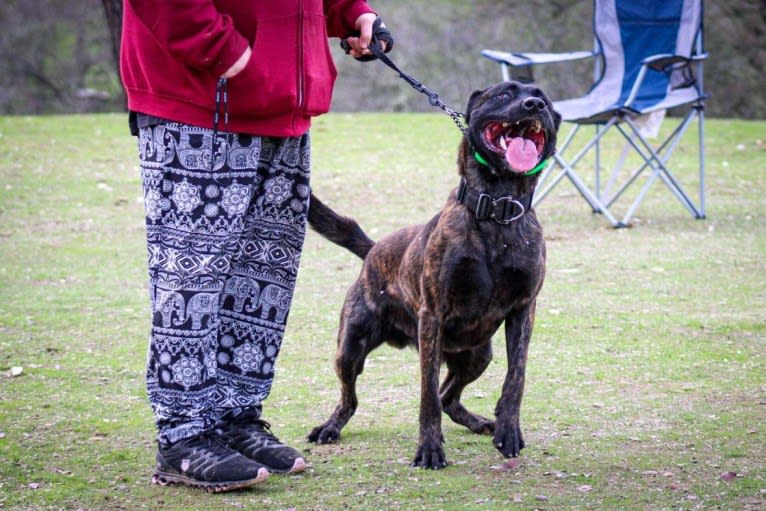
[(173, 52)]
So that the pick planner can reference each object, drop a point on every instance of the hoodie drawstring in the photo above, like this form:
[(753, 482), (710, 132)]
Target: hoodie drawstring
[(221, 105)]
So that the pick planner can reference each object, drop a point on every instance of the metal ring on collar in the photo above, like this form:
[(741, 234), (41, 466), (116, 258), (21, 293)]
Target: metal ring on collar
[(502, 209)]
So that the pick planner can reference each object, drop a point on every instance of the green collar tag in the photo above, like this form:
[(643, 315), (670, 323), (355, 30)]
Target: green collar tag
[(540, 166)]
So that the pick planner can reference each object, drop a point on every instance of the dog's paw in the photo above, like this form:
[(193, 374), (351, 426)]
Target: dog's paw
[(508, 440), (483, 426), (430, 456), (324, 434)]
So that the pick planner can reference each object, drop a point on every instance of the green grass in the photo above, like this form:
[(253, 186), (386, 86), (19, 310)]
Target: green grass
[(646, 377)]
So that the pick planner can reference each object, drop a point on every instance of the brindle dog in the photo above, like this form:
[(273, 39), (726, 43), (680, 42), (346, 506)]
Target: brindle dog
[(446, 286)]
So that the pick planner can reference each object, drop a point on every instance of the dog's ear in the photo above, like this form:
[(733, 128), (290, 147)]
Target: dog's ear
[(472, 103), (556, 118)]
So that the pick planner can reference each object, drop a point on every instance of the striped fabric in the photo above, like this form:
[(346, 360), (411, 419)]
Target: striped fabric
[(627, 32)]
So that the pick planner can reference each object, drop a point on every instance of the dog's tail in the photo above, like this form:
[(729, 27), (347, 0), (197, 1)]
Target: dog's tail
[(341, 230)]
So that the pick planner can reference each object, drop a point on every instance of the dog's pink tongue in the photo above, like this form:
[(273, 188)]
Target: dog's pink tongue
[(521, 154)]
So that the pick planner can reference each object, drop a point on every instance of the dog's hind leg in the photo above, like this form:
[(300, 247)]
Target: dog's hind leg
[(356, 340), (462, 369)]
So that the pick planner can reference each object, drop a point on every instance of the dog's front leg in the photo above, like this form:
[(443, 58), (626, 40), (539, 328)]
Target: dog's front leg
[(430, 453), (518, 330)]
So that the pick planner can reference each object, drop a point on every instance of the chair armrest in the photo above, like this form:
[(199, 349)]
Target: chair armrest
[(521, 59), (662, 61)]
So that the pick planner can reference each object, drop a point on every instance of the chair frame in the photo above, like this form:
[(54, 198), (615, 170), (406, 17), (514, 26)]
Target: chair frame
[(623, 119)]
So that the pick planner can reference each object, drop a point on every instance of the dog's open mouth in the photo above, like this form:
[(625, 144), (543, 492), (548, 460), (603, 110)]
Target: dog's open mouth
[(522, 143)]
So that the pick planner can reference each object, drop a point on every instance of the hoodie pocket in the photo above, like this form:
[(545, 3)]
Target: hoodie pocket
[(319, 72), (268, 85)]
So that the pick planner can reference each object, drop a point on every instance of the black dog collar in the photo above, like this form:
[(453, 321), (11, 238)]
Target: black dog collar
[(502, 210)]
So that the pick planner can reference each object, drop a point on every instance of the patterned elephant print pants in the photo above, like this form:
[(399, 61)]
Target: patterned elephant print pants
[(214, 230)]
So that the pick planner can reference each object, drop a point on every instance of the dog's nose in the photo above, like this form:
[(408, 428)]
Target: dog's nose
[(533, 104)]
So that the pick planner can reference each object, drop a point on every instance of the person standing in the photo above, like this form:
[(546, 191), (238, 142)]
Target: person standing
[(221, 94)]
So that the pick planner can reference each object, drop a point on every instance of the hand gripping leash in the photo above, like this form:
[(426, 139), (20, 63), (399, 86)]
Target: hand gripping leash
[(380, 33)]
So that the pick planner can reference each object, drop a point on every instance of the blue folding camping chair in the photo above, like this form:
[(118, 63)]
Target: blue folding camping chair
[(649, 57)]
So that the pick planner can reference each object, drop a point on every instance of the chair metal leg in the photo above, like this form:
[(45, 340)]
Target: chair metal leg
[(562, 148), (657, 163), (701, 132), (589, 197), (613, 176), (505, 72), (540, 193), (567, 171), (655, 158), (672, 137), (598, 164), (632, 209), (665, 173)]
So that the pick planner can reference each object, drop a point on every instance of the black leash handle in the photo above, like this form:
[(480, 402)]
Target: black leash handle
[(433, 97)]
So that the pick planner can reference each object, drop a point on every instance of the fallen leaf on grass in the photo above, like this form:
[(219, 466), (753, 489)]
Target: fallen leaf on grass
[(585, 488), (541, 498), (16, 371), (33, 486), (60, 471), (517, 497), (728, 476), (509, 465)]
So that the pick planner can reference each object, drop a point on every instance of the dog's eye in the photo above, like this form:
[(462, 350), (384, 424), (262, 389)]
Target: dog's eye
[(504, 96)]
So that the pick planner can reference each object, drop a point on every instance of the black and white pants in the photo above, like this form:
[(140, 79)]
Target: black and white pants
[(224, 242)]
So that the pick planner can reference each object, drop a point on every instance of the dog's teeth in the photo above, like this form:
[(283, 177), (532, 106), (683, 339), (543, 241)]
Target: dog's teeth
[(505, 125), (503, 144)]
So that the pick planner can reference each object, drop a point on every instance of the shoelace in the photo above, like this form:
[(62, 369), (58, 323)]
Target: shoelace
[(260, 425)]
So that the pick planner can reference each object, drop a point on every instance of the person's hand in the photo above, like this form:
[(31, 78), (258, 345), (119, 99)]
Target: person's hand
[(239, 65), (359, 45)]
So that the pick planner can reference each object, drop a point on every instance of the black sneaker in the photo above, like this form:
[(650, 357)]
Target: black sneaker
[(253, 438), (205, 462)]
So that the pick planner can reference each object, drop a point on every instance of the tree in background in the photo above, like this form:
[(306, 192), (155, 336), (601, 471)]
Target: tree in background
[(113, 14), (56, 57), (61, 57)]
